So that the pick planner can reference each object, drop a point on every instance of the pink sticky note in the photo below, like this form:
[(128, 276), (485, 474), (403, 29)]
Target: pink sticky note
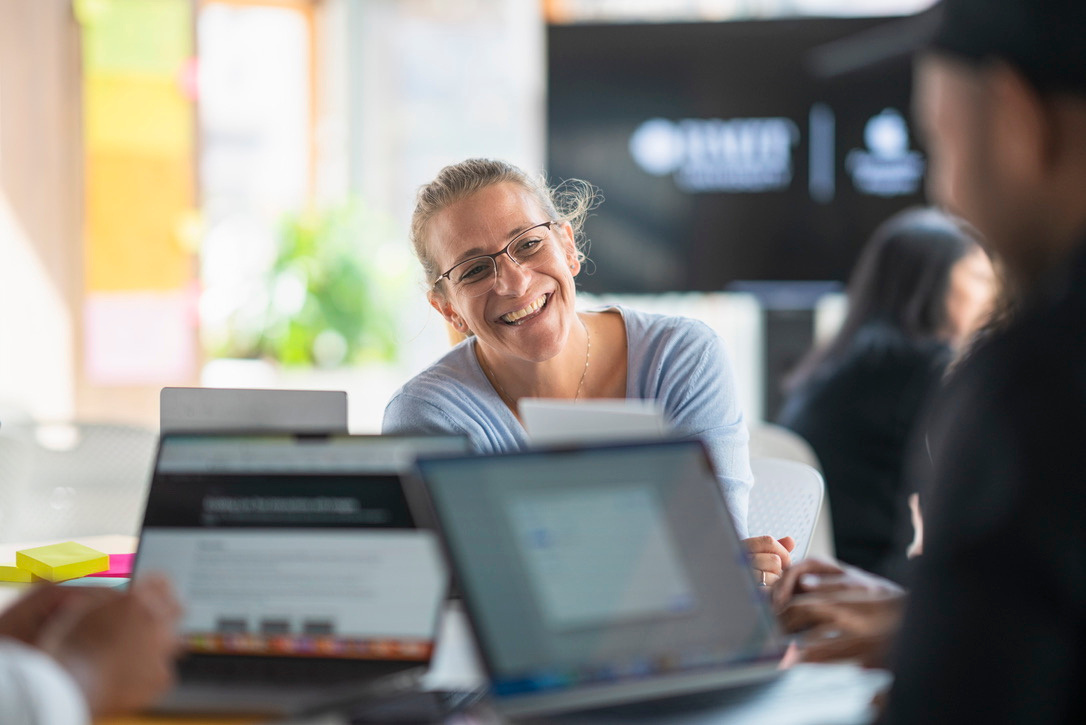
[(119, 565)]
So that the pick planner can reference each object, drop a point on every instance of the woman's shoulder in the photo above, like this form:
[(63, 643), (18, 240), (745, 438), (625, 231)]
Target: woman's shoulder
[(668, 347), (443, 398), (654, 330), (447, 377), (642, 325)]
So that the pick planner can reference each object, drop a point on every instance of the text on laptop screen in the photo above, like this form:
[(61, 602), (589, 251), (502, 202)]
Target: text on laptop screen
[(294, 547), (599, 565)]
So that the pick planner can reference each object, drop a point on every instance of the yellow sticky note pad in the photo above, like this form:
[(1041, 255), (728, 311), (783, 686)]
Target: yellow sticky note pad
[(58, 562), (9, 573)]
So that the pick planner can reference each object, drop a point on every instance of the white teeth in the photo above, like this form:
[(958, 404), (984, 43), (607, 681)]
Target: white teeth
[(514, 316)]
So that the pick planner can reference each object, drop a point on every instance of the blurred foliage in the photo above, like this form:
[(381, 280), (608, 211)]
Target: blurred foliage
[(331, 292)]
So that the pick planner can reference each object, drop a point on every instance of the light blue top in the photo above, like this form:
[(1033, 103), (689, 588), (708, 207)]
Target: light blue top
[(677, 361)]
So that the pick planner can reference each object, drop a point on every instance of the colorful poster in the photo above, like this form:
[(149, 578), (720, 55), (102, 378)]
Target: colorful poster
[(140, 136)]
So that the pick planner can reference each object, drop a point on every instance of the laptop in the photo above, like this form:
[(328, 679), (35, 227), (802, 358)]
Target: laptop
[(556, 421), (304, 580), (203, 410), (601, 576)]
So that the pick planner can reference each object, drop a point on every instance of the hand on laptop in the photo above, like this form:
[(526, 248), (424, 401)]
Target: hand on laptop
[(769, 557), (119, 648), (843, 612)]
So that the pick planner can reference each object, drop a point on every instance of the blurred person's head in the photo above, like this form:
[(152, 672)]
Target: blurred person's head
[(1001, 97), (922, 273)]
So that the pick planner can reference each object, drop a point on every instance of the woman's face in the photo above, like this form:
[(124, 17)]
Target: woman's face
[(970, 295), (529, 312)]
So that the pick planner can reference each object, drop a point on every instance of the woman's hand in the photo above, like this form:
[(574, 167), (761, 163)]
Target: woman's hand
[(769, 557), (843, 612)]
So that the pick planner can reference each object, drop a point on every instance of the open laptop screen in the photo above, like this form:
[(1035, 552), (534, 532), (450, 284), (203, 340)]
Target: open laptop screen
[(595, 567), (295, 546)]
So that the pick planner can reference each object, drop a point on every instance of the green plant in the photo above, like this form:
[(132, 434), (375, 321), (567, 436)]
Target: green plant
[(331, 295)]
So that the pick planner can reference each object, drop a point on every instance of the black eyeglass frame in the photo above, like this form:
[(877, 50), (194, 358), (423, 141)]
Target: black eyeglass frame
[(504, 250)]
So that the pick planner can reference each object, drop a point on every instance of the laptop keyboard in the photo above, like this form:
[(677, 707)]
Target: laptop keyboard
[(281, 671), (416, 707)]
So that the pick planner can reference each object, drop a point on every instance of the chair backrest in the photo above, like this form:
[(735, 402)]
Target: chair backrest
[(785, 501), (77, 479), (769, 440)]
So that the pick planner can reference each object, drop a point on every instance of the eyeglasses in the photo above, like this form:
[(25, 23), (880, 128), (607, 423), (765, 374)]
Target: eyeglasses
[(476, 276)]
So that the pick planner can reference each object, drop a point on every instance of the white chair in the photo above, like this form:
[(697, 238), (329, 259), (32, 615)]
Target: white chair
[(785, 501), (75, 479), (769, 440)]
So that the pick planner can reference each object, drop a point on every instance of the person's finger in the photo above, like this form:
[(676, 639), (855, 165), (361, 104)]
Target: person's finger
[(791, 656), (756, 544), (70, 609), (828, 583), (24, 618), (788, 543), (808, 613), (157, 591), (155, 611), (768, 545), (148, 613), (769, 563), (789, 585)]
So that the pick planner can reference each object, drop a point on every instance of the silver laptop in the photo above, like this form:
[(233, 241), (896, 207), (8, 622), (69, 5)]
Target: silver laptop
[(203, 410), (551, 421), (304, 580), (601, 576)]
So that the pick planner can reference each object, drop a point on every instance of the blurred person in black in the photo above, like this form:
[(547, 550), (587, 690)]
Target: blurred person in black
[(920, 289), (993, 630)]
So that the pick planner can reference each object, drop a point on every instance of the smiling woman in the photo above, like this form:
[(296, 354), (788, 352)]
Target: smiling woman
[(502, 251)]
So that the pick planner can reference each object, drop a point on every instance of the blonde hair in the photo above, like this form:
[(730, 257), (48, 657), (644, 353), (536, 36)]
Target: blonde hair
[(569, 201)]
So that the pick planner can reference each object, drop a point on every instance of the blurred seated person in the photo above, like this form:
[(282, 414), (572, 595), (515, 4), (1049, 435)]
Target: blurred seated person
[(843, 612), (68, 654), (993, 629), (500, 252), (920, 289)]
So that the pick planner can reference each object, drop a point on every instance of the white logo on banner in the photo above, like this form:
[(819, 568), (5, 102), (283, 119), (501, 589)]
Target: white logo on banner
[(887, 167), (740, 154)]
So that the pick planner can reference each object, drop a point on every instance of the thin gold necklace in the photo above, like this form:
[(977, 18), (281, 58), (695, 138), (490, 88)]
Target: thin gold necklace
[(508, 399)]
